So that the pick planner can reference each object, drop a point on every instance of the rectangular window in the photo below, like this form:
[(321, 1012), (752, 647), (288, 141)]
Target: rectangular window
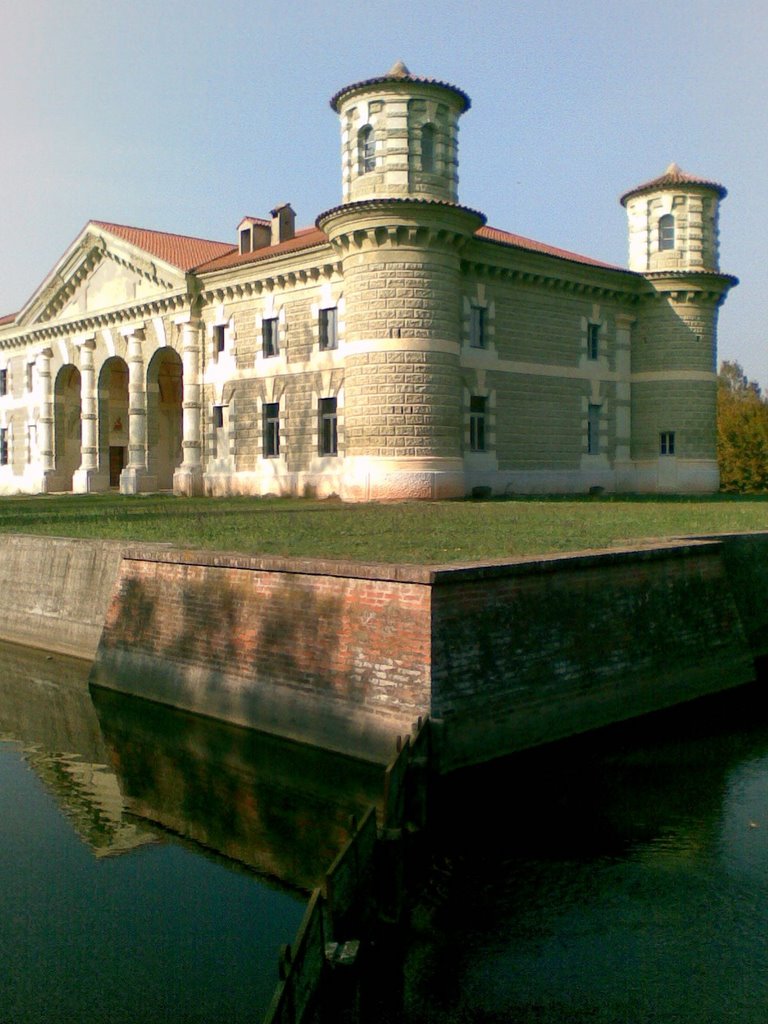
[(667, 445), (269, 336), (328, 333), (477, 411), (218, 416), (30, 376), (328, 430), (3, 382), (593, 429), (593, 340), (219, 339), (477, 326), (4, 446), (31, 441), (271, 430)]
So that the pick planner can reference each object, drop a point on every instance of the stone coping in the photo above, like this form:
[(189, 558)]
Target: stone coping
[(428, 574)]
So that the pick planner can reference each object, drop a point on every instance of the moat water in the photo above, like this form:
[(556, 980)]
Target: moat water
[(152, 863), (620, 878)]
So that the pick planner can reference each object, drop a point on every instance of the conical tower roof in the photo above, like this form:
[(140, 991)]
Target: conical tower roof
[(398, 73), (673, 176)]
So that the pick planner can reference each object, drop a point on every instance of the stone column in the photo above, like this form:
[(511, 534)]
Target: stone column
[(188, 478), (135, 477), (45, 417), (87, 477)]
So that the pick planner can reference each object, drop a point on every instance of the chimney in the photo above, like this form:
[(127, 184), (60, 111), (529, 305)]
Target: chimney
[(283, 223)]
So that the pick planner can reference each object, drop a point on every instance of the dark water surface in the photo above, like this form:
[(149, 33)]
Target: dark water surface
[(617, 878), (151, 862)]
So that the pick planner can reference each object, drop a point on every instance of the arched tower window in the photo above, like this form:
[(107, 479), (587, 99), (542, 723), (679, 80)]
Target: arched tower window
[(666, 232), (428, 148), (366, 150)]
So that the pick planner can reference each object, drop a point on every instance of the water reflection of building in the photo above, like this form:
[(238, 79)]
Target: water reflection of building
[(281, 808), (125, 771), (45, 708)]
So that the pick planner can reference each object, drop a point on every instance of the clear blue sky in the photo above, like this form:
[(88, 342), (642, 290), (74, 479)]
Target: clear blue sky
[(185, 116)]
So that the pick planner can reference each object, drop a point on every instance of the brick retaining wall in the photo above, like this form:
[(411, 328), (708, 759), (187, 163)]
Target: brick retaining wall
[(348, 656)]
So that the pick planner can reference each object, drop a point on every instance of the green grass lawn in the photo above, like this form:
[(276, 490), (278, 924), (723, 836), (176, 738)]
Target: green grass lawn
[(447, 531)]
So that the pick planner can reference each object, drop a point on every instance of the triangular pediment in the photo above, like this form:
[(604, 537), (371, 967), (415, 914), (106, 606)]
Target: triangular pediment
[(100, 271)]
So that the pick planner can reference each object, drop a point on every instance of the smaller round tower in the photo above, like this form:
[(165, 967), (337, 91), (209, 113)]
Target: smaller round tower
[(399, 137), (673, 223), (673, 243)]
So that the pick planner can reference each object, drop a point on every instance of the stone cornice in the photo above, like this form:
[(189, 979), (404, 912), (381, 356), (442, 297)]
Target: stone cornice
[(289, 271), (511, 264), (394, 223), (18, 336), (697, 286)]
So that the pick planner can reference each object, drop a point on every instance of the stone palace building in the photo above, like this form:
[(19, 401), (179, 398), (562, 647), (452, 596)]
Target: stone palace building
[(398, 348)]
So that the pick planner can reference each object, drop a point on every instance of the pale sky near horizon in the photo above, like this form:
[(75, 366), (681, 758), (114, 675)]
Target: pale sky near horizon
[(184, 116)]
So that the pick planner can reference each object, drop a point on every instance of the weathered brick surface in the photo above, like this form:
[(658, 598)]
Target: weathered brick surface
[(556, 652), (363, 643)]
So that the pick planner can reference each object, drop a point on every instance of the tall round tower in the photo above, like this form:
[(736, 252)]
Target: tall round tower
[(399, 234), (673, 242)]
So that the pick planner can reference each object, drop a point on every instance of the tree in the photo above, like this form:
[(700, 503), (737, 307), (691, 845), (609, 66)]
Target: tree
[(742, 431)]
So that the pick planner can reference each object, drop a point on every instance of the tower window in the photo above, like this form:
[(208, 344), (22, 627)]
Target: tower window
[(328, 439), (477, 326), (328, 329), (271, 430), (593, 340), (667, 442), (477, 414), (667, 232), (4, 446), (218, 339), (3, 382), (218, 417), (269, 336), (245, 240), (593, 429), (366, 149), (428, 148)]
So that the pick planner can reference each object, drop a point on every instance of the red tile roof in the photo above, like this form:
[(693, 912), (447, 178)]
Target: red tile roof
[(674, 175), (202, 255), (520, 242), (305, 238), (182, 251)]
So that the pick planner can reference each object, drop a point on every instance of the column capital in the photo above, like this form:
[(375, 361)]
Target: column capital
[(188, 319), (132, 329)]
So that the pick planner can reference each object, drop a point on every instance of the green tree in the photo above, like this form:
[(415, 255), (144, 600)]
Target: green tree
[(742, 431)]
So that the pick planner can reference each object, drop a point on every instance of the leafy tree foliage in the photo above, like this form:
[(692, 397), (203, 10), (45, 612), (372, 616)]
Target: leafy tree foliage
[(742, 431)]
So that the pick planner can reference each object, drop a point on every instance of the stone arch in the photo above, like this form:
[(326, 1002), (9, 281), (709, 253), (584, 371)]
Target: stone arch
[(67, 426), (165, 385), (113, 418)]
